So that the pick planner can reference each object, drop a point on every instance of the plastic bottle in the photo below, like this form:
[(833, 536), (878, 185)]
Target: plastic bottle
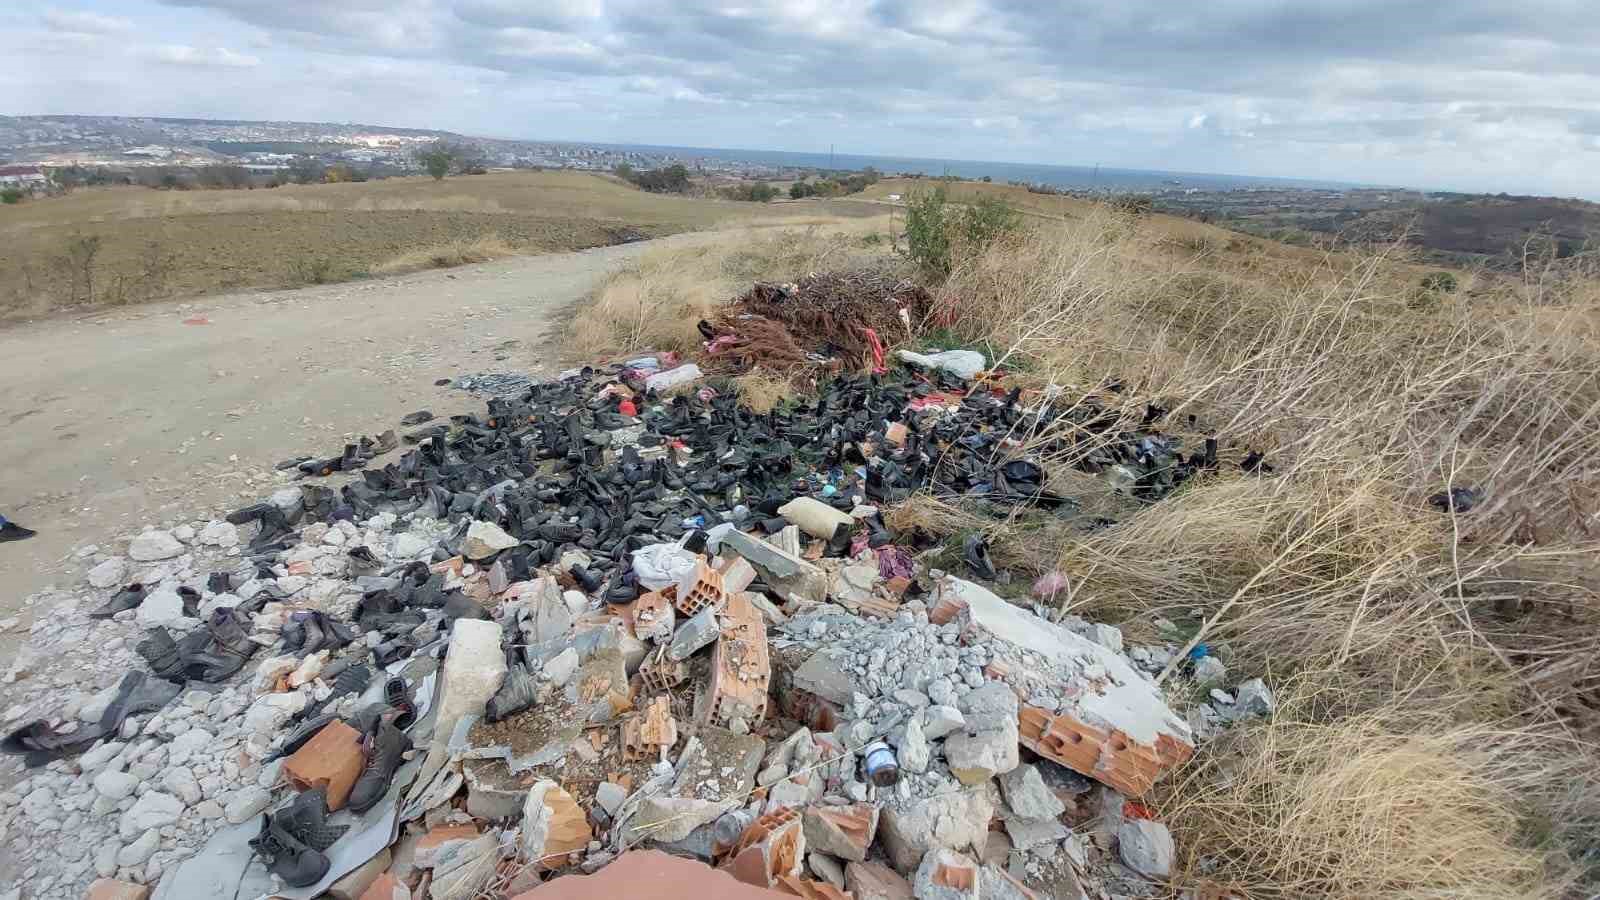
[(879, 765)]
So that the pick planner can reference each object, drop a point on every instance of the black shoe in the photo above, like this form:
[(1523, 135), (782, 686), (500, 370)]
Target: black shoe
[(11, 531), (460, 606), (288, 857), (128, 598), (398, 697), (306, 818), (191, 601), (363, 562), (517, 693), (224, 653), (589, 581), (386, 746), (161, 653), (975, 550), (392, 651), (136, 693)]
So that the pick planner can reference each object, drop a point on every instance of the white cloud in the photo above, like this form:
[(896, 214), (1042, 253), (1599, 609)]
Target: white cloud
[(1470, 94), (79, 22), (207, 57)]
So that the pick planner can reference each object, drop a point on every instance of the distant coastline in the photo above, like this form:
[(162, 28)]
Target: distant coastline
[(1084, 178)]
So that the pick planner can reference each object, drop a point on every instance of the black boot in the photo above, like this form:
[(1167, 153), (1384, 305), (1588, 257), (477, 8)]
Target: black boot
[(226, 651), (516, 694), (306, 817), (128, 598), (161, 652), (191, 601), (11, 531), (288, 857), (386, 746)]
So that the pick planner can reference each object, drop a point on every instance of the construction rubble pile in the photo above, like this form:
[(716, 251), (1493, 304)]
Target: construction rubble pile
[(604, 639)]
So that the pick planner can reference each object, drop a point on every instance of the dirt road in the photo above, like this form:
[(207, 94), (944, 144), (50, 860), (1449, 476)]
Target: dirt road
[(168, 412)]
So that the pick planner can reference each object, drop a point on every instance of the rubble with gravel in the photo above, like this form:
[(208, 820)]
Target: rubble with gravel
[(734, 731)]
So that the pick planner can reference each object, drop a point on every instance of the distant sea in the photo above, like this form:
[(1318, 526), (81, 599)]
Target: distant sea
[(1084, 178)]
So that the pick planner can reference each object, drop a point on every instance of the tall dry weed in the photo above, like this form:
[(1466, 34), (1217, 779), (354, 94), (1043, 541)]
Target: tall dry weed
[(1335, 567)]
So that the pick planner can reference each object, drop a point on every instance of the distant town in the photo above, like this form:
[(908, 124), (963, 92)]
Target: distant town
[(43, 154), (267, 146)]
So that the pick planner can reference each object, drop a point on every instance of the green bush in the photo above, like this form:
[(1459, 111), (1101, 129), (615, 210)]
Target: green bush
[(752, 193), (673, 179), (928, 232), (801, 190), (10, 196), (1439, 282), (936, 230), (311, 270), (1133, 204)]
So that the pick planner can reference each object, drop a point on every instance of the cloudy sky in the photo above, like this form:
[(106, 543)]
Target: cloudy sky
[(1466, 94)]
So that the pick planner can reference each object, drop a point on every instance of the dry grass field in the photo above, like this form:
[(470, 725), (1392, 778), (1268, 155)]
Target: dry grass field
[(128, 245)]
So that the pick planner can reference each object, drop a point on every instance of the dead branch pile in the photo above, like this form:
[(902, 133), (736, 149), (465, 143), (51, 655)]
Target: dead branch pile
[(778, 325)]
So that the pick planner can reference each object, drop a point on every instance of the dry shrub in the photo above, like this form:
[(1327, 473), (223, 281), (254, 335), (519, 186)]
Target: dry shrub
[(761, 391), (1335, 567), (1395, 802), (447, 256), (656, 302)]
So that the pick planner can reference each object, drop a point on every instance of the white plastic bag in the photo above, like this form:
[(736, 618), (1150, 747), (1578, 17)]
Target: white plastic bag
[(671, 378), (965, 363), (660, 565)]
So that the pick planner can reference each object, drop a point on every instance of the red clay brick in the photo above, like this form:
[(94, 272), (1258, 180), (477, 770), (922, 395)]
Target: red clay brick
[(332, 759)]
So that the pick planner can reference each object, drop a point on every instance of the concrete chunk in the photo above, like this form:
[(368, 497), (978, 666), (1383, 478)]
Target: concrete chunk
[(987, 745), (485, 539), (1028, 797), (1112, 725), (791, 577), (954, 821), (1146, 847), (699, 631)]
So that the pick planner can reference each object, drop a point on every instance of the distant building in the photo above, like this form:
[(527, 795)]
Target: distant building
[(22, 176)]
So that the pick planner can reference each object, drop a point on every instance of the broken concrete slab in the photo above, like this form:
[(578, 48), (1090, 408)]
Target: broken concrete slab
[(825, 676), (987, 745), (955, 821), (1146, 847), (698, 631), (789, 576), (1111, 723), (485, 539), (433, 846), (669, 819), (1028, 797), (717, 764), (353, 885)]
